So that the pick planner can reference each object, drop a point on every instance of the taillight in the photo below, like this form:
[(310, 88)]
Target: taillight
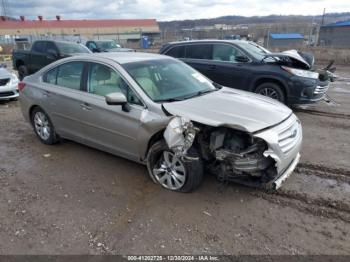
[(21, 86)]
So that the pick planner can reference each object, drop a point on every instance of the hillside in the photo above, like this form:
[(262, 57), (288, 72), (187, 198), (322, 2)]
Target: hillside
[(271, 19)]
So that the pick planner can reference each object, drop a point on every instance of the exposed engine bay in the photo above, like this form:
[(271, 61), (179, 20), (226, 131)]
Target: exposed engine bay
[(229, 154)]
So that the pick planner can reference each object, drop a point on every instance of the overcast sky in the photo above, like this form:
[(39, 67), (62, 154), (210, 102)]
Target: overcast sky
[(165, 10)]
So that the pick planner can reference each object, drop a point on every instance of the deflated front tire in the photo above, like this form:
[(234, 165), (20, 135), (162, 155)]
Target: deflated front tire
[(181, 174)]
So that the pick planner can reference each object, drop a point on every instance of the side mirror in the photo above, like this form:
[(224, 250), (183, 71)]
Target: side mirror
[(118, 99), (52, 54), (242, 58), (96, 50)]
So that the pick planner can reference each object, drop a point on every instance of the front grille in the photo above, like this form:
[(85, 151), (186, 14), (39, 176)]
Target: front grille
[(4, 81), (5, 94), (321, 89), (289, 137)]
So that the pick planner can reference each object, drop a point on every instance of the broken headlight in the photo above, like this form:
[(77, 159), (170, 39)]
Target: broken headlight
[(300, 72), (180, 134)]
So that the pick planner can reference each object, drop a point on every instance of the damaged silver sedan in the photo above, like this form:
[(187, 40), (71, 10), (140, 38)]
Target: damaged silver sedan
[(160, 112)]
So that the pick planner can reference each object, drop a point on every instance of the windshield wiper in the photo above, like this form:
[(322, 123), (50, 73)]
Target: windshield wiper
[(169, 100), (199, 93)]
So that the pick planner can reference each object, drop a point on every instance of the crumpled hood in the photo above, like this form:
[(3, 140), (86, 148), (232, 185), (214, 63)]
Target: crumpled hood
[(233, 108), (295, 56)]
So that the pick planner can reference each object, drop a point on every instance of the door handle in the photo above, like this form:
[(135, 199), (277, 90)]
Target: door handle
[(212, 67), (46, 93), (86, 106)]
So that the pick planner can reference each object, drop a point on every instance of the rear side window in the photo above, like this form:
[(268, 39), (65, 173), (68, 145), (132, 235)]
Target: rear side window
[(70, 74), (177, 52), (39, 47), (51, 76), (199, 51)]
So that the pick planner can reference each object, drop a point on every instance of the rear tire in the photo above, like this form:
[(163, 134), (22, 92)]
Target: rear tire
[(43, 127), (22, 72), (181, 176), (271, 90)]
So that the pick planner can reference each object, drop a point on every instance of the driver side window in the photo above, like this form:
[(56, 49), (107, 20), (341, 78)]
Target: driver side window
[(103, 80), (92, 46)]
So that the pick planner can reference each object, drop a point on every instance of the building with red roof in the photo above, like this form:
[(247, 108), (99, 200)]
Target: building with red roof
[(123, 30)]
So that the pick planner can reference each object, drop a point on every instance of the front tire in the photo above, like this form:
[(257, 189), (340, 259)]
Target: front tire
[(43, 127), (172, 172), (271, 90)]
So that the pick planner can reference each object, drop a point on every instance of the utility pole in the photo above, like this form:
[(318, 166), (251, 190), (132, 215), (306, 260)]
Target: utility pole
[(324, 12)]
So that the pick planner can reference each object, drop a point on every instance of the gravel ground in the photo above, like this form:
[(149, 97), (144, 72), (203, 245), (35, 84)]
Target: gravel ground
[(71, 199)]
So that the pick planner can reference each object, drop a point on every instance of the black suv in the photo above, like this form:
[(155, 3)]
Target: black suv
[(288, 76)]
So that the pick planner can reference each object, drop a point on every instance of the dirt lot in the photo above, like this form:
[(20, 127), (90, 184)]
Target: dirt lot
[(71, 199)]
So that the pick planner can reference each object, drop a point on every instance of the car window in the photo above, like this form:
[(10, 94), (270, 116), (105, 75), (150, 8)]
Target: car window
[(177, 52), (199, 51), (72, 48), (50, 46), (227, 53), (92, 45), (69, 75), (103, 80), (164, 79), (51, 76), (39, 46)]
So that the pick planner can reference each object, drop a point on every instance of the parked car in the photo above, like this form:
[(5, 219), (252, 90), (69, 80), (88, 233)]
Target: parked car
[(42, 53), (158, 111), (98, 46), (8, 84), (288, 77)]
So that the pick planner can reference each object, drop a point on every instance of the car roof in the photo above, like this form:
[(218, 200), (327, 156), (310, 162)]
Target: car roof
[(125, 57), (107, 40), (56, 41), (207, 40)]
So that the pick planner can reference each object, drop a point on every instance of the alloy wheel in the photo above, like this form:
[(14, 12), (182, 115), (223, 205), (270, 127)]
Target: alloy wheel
[(170, 171), (42, 125), (269, 92)]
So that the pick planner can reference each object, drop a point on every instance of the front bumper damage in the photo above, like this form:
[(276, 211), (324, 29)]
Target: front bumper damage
[(263, 159)]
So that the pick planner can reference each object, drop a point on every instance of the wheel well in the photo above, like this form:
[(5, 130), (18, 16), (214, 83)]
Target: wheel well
[(156, 137), (31, 111), (19, 63), (271, 80)]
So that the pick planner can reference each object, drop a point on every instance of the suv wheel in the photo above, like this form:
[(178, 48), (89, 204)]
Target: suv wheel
[(271, 90), (22, 72), (43, 127), (172, 172)]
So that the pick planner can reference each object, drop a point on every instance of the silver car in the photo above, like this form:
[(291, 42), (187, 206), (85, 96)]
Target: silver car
[(158, 111), (8, 85)]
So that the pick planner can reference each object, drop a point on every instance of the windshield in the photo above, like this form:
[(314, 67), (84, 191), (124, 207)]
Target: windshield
[(105, 45), (168, 80), (71, 48), (258, 52)]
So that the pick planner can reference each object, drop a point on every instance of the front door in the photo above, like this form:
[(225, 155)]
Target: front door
[(226, 70), (110, 127)]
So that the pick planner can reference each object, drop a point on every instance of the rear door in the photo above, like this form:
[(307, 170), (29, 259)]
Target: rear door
[(199, 56), (37, 56), (109, 127), (65, 98)]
